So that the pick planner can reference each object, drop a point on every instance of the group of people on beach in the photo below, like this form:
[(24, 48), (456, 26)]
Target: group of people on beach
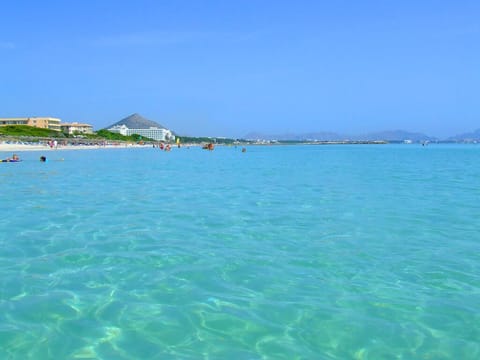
[(53, 144), (162, 146)]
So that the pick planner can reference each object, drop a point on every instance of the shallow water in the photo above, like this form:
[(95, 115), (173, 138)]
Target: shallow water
[(308, 252)]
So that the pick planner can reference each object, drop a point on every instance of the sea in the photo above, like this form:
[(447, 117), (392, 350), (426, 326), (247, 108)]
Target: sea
[(278, 252)]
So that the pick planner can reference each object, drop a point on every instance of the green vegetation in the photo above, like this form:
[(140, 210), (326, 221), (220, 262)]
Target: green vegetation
[(34, 132), (108, 135), (24, 130)]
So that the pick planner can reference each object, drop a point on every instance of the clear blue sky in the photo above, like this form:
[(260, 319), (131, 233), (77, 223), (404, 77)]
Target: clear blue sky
[(225, 68)]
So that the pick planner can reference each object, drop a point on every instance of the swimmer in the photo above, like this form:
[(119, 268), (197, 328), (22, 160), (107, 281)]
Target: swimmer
[(14, 158), (43, 159)]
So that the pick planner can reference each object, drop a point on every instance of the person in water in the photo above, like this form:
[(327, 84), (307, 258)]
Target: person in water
[(14, 158), (43, 159)]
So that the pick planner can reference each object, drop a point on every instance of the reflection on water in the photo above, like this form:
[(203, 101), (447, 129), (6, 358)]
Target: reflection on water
[(334, 252)]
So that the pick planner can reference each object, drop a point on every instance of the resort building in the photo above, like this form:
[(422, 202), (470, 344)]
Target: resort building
[(40, 122), (151, 133), (136, 124), (76, 128)]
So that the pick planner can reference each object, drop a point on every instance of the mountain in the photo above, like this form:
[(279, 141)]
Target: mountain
[(393, 135), (471, 136), (137, 121)]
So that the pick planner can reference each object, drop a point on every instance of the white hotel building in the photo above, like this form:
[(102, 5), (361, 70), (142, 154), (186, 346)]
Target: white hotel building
[(154, 133)]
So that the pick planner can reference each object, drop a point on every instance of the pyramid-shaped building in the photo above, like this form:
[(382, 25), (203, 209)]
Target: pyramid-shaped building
[(137, 124)]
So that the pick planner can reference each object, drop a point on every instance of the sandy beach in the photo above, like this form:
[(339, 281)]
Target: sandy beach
[(18, 147)]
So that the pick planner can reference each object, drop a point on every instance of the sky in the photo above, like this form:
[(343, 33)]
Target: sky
[(227, 68)]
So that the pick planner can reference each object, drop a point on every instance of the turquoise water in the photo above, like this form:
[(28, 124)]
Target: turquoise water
[(295, 252)]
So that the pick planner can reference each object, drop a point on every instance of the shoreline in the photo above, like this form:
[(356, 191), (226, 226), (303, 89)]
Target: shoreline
[(4, 147)]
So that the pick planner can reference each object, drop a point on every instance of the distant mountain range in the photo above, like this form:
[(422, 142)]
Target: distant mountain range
[(471, 136), (392, 135), (136, 121)]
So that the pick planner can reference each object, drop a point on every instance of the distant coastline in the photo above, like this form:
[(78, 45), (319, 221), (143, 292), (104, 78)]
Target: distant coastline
[(31, 146), (388, 136), (9, 147)]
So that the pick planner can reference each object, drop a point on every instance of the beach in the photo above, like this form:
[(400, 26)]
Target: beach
[(21, 147)]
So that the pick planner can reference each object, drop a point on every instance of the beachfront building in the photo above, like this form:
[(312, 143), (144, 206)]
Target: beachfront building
[(151, 133), (76, 128), (39, 122), (136, 124)]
